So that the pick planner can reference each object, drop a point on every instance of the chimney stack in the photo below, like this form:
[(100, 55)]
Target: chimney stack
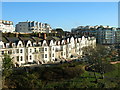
[(44, 36), (17, 35), (39, 34), (0, 35)]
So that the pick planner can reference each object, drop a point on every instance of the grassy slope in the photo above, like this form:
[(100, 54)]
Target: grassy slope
[(87, 80)]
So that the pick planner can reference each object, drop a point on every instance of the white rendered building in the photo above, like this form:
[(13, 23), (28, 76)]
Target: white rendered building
[(33, 26), (6, 26), (28, 50)]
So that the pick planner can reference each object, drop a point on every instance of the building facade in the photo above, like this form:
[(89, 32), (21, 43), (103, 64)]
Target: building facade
[(117, 36), (6, 26), (44, 51), (33, 26), (106, 35)]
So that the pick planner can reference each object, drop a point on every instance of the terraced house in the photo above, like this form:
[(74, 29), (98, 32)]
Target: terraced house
[(26, 50)]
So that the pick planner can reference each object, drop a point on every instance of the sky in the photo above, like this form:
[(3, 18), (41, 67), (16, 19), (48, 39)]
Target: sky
[(65, 15), (119, 14)]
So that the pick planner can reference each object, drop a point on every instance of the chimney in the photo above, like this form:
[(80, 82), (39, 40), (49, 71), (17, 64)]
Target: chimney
[(0, 35), (44, 36), (17, 35), (39, 34)]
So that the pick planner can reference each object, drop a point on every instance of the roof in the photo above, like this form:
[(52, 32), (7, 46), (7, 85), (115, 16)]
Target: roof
[(48, 42), (10, 39), (37, 39), (53, 38), (25, 39), (4, 40)]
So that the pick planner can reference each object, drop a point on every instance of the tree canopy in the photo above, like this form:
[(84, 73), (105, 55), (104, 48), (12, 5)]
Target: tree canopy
[(7, 65)]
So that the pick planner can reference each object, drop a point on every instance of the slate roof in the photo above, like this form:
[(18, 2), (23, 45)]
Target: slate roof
[(25, 39), (4, 40), (10, 39), (37, 39)]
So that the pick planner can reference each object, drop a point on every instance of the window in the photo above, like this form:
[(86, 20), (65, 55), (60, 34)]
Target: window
[(53, 48), (21, 58), (20, 45), (13, 44), (39, 49), (30, 57), (61, 48), (42, 49), (20, 50), (17, 50), (34, 44), (35, 49), (49, 49), (17, 58), (45, 44), (28, 45), (2, 52), (45, 49), (42, 55), (53, 55), (45, 55), (30, 50), (10, 52), (61, 53), (32, 24)]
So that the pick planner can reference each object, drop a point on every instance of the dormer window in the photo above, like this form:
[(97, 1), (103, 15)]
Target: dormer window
[(45, 44), (28, 45), (34, 44), (20, 45)]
